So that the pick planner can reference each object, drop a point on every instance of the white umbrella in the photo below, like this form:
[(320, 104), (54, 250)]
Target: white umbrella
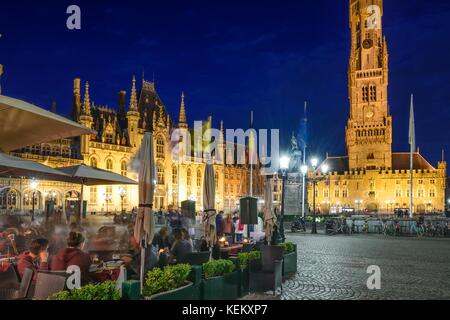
[(269, 216), (89, 176), (17, 167), (23, 124), (144, 228), (209, 198)]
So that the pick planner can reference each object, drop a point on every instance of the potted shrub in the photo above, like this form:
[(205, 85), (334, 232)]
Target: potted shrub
[(102, 291), (289, 258), (221, 280), (170, 283), (244, 261)]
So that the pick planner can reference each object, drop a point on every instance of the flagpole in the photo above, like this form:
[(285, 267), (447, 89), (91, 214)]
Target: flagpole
[(304, 163), (251, 156), (412, 143)]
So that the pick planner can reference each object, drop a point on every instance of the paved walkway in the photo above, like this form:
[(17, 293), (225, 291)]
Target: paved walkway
[(334, 267)]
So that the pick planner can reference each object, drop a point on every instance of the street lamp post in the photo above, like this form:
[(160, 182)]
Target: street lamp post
[(123, 193), (33, 185), (315, 179), (284, 166)]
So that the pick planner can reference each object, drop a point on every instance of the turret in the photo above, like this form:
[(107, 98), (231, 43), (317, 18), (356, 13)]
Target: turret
[(133, 116)]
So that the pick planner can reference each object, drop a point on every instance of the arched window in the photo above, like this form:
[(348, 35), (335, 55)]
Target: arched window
[(93, 162), (109, 164), (174, 175), (365, 94), (189, 177), (160, 174), (373, 93), (160, 147), (199, 178), (123, 168), (358, 133), (370, 133)]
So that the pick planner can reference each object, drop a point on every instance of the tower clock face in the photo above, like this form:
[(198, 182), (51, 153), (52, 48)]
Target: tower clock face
[(367, 44)]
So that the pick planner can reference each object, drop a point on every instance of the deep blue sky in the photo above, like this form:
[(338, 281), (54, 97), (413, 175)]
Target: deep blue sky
[(231, 57)]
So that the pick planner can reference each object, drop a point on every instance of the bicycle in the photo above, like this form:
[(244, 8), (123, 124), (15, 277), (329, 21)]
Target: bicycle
[(417, 229)]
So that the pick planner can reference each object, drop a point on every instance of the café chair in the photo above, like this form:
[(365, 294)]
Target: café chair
[(266, 273), (48, 283), (22, 291), (9, 278)]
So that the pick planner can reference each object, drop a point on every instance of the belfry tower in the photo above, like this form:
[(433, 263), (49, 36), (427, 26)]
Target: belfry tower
[(369, 128)]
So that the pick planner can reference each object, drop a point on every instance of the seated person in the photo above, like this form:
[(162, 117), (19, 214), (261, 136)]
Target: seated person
[(161, 239), (73, 255), (35, 259), (186, 236), (180, 248)]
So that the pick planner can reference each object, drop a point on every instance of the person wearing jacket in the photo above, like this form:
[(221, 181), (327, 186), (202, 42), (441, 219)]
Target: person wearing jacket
[(35, 259), (73, 255)]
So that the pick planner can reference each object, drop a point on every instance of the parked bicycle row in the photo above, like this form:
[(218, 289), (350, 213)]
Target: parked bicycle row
[(421, 226)]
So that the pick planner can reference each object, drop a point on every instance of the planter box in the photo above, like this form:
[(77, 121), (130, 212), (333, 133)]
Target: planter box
[(290, 263), (188, 292), (244, 282), (243, 278), (196, 275), (131, 290), (221, 288)]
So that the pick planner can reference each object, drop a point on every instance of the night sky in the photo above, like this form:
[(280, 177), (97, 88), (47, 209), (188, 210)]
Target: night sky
[(231, 57)]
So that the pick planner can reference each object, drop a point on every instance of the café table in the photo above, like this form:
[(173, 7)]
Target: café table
[(104, 273)]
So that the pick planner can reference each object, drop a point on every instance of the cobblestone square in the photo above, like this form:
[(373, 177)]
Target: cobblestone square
[(334, 267)]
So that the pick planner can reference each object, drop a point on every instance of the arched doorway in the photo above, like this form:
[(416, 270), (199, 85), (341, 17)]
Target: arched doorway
[(9, 198), (72, 203), (52, 200), (30, 197), (421, 209), (372, 207)]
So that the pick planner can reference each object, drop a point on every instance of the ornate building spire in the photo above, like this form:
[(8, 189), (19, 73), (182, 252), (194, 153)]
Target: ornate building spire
[(87, 101), (182, 123), (161, 116), (133, 98)]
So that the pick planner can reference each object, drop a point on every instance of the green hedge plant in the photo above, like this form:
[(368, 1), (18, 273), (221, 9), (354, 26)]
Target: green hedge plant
[(102, 291), (217, 268), (245, 257), (167, 279), (288, 247)]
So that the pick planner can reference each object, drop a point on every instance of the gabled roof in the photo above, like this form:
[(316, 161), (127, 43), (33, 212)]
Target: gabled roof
[(400, 161)]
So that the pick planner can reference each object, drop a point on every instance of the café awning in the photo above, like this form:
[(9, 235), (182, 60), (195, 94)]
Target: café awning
[(17, 167), (23, 124)]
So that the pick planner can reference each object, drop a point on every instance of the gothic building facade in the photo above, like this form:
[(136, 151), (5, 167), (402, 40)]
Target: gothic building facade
[(371, 177), (119, 133)]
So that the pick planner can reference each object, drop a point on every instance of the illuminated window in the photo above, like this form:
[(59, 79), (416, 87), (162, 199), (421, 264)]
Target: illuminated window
[(160, 147), (93, 195), (161, 174), (189, 177), (174, 175), (93, 162), (108, 198), (109, 165), (123, 168), (199, 178), (432, 193), (216, 179)]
